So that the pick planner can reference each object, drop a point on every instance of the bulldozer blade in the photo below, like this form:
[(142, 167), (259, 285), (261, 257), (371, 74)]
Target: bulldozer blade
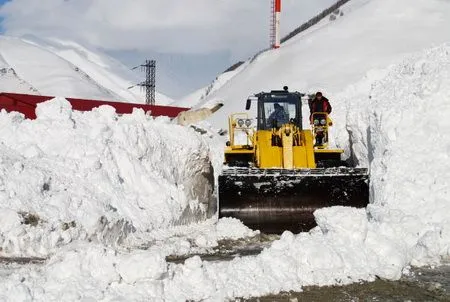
[(275, 200)]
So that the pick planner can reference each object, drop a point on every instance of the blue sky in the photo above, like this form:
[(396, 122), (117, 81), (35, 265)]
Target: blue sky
[(192, 41), (1, 18)]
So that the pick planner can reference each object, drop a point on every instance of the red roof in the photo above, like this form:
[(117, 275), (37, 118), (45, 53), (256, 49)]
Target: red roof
[(26, 104)]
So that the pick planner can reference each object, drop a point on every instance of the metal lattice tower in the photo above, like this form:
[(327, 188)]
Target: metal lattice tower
[(150, 81)]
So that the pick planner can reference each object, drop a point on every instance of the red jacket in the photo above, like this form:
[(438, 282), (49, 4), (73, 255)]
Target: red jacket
[(322, 105)]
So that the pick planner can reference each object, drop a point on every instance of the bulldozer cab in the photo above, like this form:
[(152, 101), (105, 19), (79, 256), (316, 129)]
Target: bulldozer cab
[(278, 108)]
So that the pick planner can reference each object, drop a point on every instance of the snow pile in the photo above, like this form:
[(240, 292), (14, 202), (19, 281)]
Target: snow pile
[(196, 238), (83, 270), (322, 257), (94, 175), (407, 147), (88, 272)]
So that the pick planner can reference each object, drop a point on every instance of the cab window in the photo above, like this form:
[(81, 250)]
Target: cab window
[(277, 110)]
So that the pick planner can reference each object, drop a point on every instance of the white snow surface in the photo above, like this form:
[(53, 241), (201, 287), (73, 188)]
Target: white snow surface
[(198, 96), (407, 223), (65, 68), (96, 175)]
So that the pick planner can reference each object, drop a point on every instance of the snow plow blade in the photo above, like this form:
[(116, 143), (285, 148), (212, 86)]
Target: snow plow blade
[(275, 200)]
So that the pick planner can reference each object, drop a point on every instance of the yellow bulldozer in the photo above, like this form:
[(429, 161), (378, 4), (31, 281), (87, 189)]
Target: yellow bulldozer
[(276, 174)]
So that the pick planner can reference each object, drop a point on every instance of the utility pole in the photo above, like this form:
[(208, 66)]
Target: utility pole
[(275, 24), (149, 67)]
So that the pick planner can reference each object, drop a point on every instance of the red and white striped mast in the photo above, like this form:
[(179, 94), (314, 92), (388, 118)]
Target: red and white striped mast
[(275, 24)]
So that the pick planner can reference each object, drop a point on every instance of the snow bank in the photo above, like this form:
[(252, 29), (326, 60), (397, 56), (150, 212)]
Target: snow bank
[(90, 271), (407, 147), (95, 175)]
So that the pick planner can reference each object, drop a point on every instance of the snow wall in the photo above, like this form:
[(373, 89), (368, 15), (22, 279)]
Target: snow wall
[(95, 175)]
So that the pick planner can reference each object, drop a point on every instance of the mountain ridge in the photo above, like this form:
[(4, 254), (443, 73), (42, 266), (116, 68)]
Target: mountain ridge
[(65, 68)]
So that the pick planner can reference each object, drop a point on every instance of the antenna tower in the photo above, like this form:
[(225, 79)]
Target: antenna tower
[(275, 23)]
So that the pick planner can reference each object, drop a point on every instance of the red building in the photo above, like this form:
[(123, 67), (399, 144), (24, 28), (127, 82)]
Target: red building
[(26, 104)]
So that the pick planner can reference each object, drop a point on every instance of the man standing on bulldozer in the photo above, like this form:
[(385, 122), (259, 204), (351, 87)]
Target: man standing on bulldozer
[(319, 108), (319, 104)]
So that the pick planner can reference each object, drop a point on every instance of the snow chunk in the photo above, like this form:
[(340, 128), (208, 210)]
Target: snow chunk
[(9, 220), (141, 267), (55, 109), (232, 228), (343, 221)]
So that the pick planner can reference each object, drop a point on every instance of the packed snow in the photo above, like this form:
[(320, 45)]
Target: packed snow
[(63, 68)]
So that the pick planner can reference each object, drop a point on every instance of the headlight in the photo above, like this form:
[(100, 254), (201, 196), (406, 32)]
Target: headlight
[(240, 122), (248, 122), (316, 122), (323, 122)]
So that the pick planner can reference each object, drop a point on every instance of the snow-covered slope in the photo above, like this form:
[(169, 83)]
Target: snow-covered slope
[(197, 97), (64, 68), (10, 81), (332, 55)]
